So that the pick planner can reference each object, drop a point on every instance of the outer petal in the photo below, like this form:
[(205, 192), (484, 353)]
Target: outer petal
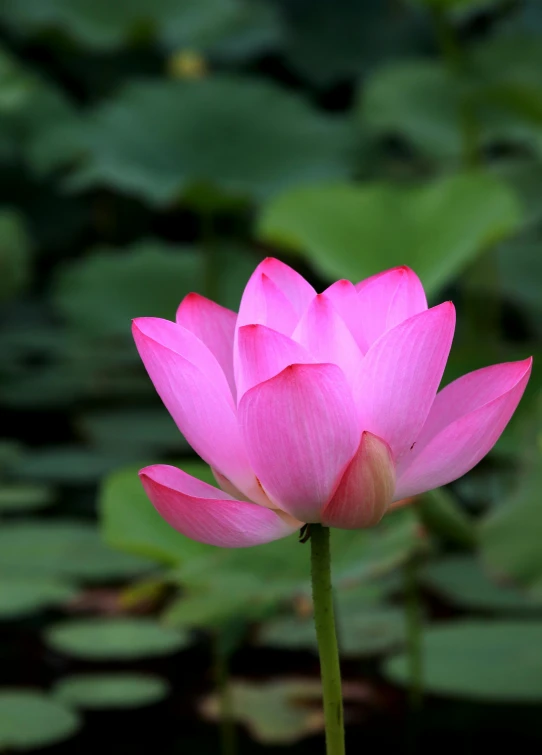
[(192, 385), (323, 332), (212, 324), (301, 430), (366, 488), (466, 421), (389, 298), (263, 353), (400, 376), (344, 297), (208, 515)]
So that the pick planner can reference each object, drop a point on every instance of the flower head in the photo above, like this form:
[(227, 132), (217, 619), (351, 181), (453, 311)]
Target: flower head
[(315, 407)]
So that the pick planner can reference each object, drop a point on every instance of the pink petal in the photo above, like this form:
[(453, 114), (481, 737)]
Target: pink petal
[(323, 333), (294, 287), (388, 299), (212, 324), (203, 513), (263, 353), (263, 303), (366, 488), (192, 386), (300, 430), (344, 297), (400, 376), (465, 422)]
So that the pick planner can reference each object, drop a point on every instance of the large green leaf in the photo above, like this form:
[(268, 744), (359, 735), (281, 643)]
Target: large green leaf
[(462, 581), (250, 138), (21, 596), (417, 100), (104, 291), (65, 549), (131, 523), (114, 639), (209, 25), (512, 533), (353, 231), (329, 41), (30, 720), (15, 258), (97, 691), (491, 661)]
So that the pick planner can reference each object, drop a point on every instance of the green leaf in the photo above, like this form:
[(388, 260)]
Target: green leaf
[(104, 291), (437, 229), (30, 720), (20, 498), (336, 41), (114, 639), (480, 660), (65, 549), (229, 30), (510, 536), (141, 429), (444, 517), (68, 465), (461, 580), (15, 248), (20, 596), (418, 100), (367, 631), (275, 140), (97, 691), (131, 523)]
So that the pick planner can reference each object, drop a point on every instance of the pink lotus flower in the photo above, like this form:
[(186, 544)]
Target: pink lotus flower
[(315, 407)]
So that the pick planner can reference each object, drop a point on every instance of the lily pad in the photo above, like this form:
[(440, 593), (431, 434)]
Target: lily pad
[(21, 596), (114, 639), (30, 719), (480, 660), (437, 229), (64, 549), (367, 631), (273, 140), (461, 580), (105, 290), (97, 691), (19, 498)]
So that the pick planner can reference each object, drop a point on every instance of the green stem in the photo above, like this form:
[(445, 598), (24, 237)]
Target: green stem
[(208, 247), (414, 634), (324, 619), (222, 680)]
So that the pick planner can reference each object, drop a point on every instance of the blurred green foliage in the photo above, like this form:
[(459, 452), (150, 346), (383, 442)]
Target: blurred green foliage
[(152, 149)]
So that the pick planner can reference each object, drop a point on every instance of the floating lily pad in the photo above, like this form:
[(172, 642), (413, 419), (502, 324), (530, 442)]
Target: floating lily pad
[(96, 691), (114, 639), (65, 549), (481, 660), (461, 580), (20, 498), (21, 596), (68, 465), (30, 719)]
